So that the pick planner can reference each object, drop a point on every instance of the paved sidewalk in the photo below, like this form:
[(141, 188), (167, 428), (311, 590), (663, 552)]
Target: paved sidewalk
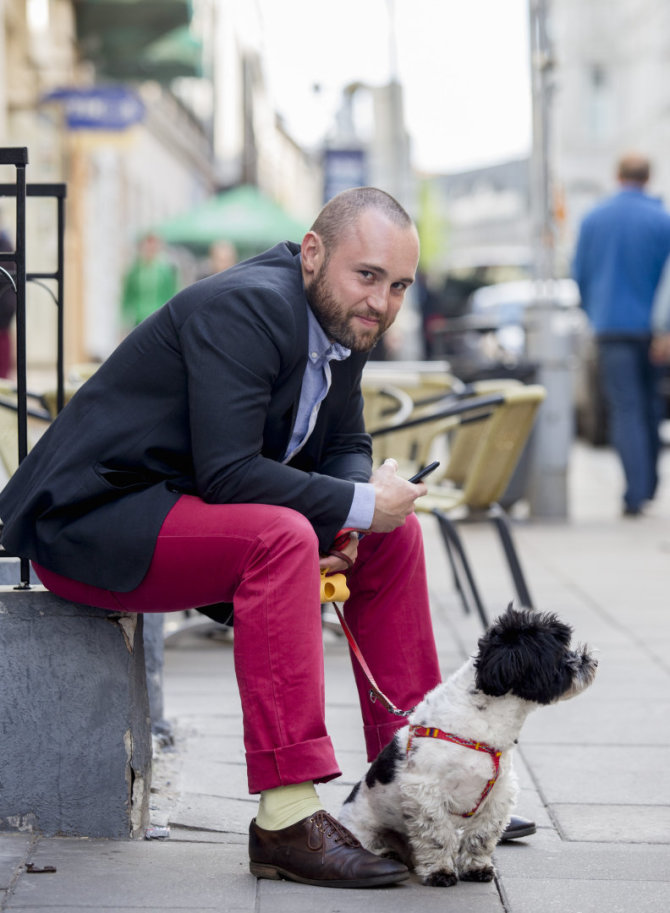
[(593, 771)]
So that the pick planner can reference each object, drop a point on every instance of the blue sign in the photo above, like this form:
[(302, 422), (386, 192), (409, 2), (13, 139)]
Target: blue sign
[(342, 169), (99, 107)]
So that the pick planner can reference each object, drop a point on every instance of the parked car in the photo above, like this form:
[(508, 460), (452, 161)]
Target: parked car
[(491, 339)]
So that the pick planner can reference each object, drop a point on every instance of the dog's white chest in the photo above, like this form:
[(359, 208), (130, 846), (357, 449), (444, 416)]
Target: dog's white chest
[(463, 776)]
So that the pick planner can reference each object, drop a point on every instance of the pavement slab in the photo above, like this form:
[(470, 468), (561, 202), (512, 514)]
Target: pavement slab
[(594, 774), (145, 875), (284, 897), (597, 718), (638, 824), (523, 895), (548, 856), (14, 850)]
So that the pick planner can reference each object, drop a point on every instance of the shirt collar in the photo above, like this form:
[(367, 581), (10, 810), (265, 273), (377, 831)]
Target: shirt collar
[(320, 348)]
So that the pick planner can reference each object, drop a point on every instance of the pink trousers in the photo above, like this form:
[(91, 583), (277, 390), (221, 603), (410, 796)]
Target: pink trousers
[(265, 559)]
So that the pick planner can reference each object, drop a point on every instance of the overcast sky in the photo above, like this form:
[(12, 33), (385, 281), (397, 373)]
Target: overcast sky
[(464, 66)]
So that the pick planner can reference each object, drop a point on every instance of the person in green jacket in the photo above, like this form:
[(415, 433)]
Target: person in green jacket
[(148, 284)]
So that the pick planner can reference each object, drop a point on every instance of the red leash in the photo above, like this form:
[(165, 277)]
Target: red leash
[(376, 694)]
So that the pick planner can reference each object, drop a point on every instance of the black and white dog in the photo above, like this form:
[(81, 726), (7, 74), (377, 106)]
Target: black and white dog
[(441, 792)]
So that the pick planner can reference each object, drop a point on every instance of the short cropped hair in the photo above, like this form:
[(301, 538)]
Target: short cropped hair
[(634, 168), (343, 210)]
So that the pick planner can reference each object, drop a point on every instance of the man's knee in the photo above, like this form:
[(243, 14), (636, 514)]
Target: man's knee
[(410, 532), (291, 529), (402, 544)]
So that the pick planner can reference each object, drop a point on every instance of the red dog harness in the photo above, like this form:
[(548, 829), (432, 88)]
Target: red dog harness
[(425, 732)]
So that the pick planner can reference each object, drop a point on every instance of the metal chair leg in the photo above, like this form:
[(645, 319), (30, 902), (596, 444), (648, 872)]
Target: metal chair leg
[(455, 572), (452, 538), (504, 527)]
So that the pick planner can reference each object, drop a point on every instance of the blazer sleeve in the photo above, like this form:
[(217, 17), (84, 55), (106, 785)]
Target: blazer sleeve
[(244, 365)]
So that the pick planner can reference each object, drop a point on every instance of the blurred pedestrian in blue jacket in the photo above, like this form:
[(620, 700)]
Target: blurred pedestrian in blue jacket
[(621, 250)]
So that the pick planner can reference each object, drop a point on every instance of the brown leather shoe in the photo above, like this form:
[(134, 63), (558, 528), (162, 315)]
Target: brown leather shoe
[(318, 850)]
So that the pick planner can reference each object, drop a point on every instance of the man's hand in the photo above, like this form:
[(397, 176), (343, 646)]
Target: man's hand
[(333, 564), (660, 349), (394, 497)]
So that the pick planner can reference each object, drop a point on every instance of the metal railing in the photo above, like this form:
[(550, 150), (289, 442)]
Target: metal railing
[(21, 190)]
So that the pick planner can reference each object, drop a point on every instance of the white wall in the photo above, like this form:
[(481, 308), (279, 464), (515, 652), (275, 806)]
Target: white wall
[(612, 95)]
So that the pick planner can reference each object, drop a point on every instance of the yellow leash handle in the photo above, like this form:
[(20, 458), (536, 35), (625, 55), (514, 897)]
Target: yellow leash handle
[(333, 587)]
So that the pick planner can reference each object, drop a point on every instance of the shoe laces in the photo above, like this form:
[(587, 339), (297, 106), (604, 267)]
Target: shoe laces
[(327, 826)]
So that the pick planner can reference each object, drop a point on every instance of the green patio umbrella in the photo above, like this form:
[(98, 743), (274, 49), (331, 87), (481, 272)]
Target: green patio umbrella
[(178, 53), (243, 216)]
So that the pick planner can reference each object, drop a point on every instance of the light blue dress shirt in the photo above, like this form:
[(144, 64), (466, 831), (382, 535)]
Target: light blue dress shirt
[(315, 386)]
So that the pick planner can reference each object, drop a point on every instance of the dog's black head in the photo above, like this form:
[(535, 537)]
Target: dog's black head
[(528, 654)]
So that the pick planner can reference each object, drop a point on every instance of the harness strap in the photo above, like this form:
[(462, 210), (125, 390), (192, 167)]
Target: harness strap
[(426, 732)]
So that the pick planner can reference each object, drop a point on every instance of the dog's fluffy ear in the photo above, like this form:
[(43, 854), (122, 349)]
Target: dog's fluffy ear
[(523, 653)]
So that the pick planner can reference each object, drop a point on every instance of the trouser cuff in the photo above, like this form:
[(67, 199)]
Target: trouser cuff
[(313, 760)]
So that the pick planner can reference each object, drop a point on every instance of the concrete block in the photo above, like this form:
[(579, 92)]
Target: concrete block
[(75, 737)]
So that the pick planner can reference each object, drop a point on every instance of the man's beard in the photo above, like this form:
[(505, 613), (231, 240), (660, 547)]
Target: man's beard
[(337, 326)]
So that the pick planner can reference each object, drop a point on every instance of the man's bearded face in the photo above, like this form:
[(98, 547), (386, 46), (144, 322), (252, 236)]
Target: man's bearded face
[(357, 326)]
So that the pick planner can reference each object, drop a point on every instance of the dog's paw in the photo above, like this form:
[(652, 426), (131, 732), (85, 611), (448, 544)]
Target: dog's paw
[(440, 879), (485, 874)]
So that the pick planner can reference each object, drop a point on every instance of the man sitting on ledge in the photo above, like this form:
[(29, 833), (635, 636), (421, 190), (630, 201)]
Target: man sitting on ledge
[(215, 457)]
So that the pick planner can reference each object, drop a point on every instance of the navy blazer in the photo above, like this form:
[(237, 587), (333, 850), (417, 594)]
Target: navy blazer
[(201, 398)]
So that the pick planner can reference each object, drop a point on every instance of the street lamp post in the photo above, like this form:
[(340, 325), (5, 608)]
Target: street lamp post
[(548, 339), (541, 69)]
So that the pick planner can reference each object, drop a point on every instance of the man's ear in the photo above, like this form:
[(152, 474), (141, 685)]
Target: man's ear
[(312, 253)]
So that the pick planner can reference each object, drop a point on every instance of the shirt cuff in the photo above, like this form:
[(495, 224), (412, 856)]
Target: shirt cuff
[(362, 507)]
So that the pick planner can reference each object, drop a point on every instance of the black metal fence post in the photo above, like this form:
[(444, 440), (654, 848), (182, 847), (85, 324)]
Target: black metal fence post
[(18, 157)]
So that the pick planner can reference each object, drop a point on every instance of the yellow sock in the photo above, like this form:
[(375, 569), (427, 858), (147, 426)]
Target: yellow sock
[(285, 805)]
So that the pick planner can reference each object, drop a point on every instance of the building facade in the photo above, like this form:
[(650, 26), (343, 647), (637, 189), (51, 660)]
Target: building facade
[(143, 110), (611, 95)]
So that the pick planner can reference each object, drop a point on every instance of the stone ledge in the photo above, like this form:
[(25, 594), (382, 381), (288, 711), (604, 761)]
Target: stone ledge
[(75, 734)]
